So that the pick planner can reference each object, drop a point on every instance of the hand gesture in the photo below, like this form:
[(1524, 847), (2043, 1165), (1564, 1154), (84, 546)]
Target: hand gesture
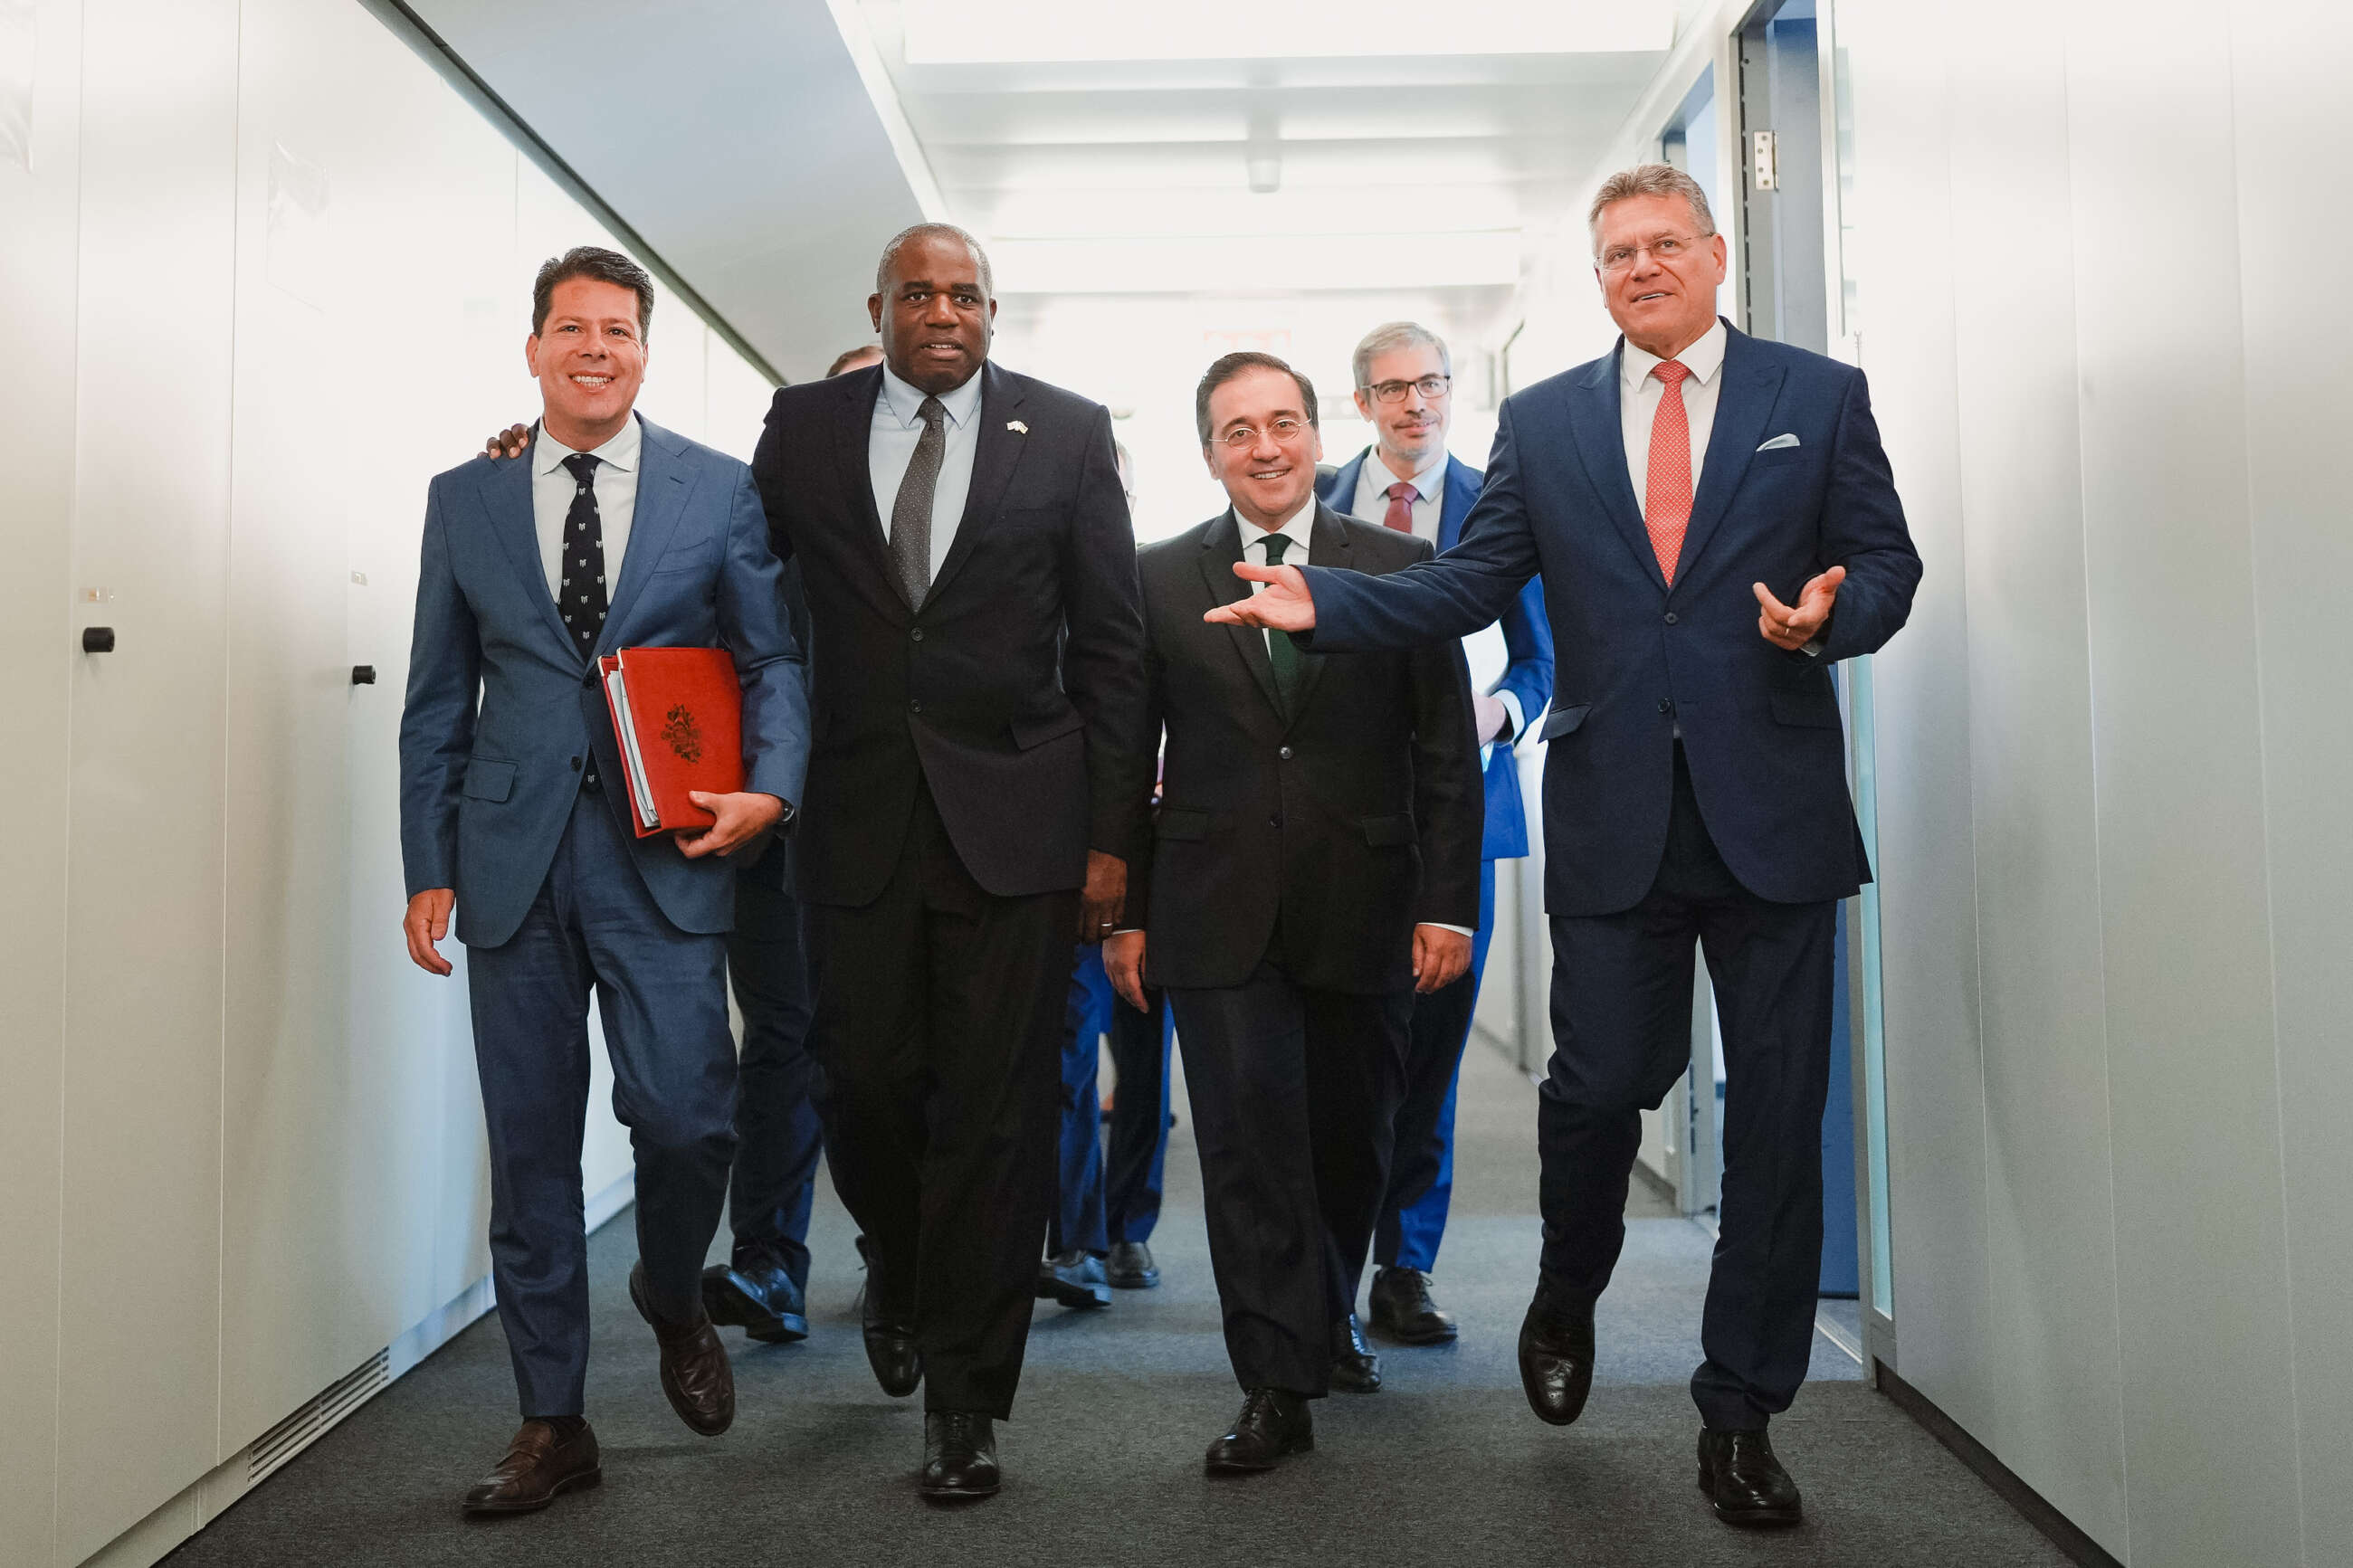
[(1285, 606), (508, 443), (1793, 629), (1441, 957), (741, 818)]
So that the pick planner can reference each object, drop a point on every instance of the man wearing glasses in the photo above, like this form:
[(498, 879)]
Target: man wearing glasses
[(1716, 524), (1314, 861), (1408, 482)]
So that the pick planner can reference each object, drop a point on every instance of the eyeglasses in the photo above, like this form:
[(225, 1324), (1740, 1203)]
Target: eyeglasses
[(1285, 431), (1666, 249), (1432, 387)]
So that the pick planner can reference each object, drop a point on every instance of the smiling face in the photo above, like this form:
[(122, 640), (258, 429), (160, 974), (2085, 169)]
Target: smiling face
[(1266, 476), (1412, 430), (1661, 306), (934, 314), (590, 358)]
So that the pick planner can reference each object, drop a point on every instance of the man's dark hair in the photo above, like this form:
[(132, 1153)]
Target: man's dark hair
[(929, 231), (1232, 365), (841, 360), (605, 267)]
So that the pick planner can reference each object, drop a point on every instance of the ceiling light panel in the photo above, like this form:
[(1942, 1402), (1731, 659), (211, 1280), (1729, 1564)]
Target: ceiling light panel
[(989, 32)]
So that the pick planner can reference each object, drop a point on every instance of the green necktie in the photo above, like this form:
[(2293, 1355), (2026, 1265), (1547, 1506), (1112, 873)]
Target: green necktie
[(1281, 651)]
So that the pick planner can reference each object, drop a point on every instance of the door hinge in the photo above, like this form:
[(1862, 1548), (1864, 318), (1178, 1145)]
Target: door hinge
[(1764, 160)]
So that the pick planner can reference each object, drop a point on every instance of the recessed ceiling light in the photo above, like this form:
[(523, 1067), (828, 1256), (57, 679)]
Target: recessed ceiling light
[(994, 32)]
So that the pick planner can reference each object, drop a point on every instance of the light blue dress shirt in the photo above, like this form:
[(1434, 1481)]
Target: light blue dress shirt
[(891, 447)]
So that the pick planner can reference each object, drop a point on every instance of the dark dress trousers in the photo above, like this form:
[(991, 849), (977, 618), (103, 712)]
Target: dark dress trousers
[(1297, 844), (1137, 1155), (1695, 792), (965, 757), (1421, 1166), (504, 724)]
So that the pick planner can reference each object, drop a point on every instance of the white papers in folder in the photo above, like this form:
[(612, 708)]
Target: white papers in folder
[(641, 795)]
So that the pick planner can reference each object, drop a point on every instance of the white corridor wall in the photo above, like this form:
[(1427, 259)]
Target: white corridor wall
[(265, 273)]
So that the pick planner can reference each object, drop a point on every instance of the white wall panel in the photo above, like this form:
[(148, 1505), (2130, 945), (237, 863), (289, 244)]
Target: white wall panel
[(144, 916), (2055, 1413), (40, 180)]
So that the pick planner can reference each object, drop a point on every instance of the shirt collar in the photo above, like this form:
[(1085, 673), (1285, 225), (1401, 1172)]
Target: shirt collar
[(1428, 484), (905, 402), (620, 452), (1703, 359), (1297, 527)]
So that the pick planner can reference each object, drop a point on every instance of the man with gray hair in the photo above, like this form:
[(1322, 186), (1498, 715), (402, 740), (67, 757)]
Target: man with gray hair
[(1408, 482), (1715, 524)]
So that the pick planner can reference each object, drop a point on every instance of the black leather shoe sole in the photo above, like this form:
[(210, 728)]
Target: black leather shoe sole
[(1752, 1516), (1402, 1334), (958, 1489), (727, 1296), (504, 1507), (1078, 1298), (1232, 1462)]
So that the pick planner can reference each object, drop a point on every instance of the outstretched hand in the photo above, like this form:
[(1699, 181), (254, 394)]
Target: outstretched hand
[(1793, 628), (1286, 605)]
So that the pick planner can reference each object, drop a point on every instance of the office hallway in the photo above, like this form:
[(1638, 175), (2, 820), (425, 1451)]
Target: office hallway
[(1443, 1466)]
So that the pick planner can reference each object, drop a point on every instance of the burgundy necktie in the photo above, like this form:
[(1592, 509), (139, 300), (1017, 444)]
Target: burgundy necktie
[(1401, 512), (1667, 498)]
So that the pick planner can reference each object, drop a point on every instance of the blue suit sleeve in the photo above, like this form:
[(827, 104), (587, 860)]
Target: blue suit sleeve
[(1862, 530), (437, 719), (1463, 590), (1527, 639), (768, 660)]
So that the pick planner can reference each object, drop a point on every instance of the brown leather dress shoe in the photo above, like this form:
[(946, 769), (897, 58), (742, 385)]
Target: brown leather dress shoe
[(539, 1464), (694, 1370)]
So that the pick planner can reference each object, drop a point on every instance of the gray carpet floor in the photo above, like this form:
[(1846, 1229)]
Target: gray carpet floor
[(1444, 1465)]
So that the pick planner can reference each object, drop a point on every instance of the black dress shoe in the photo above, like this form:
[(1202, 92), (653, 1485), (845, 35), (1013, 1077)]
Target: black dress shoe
[(890, 1336), (539, 1464), (1129, 1267), (1273, 1422), (756, 1294), (1075, 1279), (1355, 1368), (1403, 1311), (694, 1370), (1556, 1356), (1745, 1483), (959, 1455)]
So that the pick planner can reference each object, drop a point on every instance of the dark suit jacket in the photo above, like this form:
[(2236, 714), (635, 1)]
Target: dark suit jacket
[(1353, 819), (1528, 640), (1016, 692), (502, 709), (1635, 658)]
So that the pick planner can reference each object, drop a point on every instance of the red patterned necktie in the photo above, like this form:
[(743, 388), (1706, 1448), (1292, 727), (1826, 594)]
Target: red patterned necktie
[(1667, 498), (1401, 512)]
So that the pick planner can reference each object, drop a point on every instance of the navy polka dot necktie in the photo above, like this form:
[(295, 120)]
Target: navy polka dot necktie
[(581, 595)]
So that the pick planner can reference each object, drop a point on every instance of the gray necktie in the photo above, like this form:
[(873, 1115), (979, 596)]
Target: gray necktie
[(910, 514)]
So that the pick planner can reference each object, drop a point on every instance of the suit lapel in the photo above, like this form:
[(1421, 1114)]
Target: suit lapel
[(1221, 552), (1461, 493), (1601, 440), (505, 493), (1327, 546), (1340, 490), (662, 489), (1744, 403), (853, 436), (996, 451)]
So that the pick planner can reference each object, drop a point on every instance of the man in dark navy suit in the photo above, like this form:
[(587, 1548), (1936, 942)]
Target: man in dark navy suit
[(1716, 525), (1406, 480)]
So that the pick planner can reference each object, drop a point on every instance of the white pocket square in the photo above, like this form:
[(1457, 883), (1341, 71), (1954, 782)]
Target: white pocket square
[(1778, 442)]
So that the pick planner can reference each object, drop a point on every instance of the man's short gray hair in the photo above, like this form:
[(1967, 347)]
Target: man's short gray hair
[(928, 231), (1650, 180), (1386, 338)]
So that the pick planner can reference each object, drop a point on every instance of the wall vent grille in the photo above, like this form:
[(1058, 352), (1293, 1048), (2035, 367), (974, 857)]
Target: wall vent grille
[(306, 1426)]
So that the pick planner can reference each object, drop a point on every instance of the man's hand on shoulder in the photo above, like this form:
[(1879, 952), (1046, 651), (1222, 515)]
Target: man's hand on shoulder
[(508, 443), (743, 817), (1286, 605), (426, 922)]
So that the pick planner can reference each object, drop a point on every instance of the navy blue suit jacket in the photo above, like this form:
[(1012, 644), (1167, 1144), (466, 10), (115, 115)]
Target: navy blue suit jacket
[(1635, 658), (1527, 641), (502, 709)]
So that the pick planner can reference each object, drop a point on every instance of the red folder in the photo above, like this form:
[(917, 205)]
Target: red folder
[(677, 714)]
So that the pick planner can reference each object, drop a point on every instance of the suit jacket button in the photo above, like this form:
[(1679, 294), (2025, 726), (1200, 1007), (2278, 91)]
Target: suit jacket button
[(1275, 821), (916, 635), (1284, 753), (1670, 617), (1666, 704), (575, 765), (914, 705)]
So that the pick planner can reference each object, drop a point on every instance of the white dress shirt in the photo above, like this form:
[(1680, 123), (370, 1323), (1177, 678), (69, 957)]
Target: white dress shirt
[(1299, 528), (552, 489), (1638, 404), (891, 447), (1372, 502)]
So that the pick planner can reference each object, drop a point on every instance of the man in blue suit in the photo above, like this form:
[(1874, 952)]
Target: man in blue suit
[(512, 810), (1408, 481), (1715, 524)]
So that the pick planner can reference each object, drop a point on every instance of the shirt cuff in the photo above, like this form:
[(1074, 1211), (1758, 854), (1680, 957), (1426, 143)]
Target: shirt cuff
[(1519, 720), (1441, 925)]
